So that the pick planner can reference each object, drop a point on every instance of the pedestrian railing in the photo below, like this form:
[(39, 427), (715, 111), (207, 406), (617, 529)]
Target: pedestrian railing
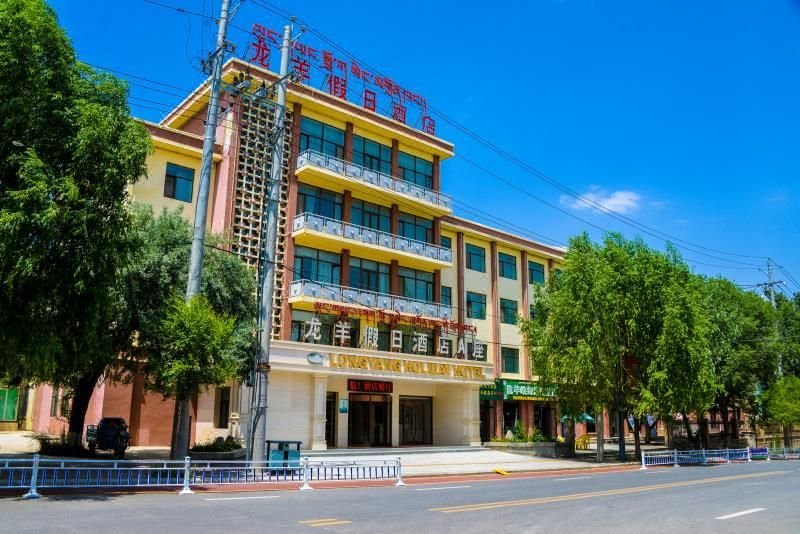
[(38, 473), (677, 458)]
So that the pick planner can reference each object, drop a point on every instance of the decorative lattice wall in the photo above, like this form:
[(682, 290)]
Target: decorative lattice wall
[(250, 194)]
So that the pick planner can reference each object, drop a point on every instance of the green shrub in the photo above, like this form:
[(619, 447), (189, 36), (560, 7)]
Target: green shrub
[(218, 445), (60, 446)]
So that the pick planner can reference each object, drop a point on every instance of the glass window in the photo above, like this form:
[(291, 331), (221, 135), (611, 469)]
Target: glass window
[(415, 170), (416, 284), (372, 155), (319, 201), (417, 228), (371, 215), (446, 242), (317, 265), (54, 401), (507, 265), (535, 273), (476, 305), (369, 275), (178, 182), (532, 311), (508, 311), (476, 258), (223, 406), (447, 295), (320, 137), (510, 359), (484, 351)]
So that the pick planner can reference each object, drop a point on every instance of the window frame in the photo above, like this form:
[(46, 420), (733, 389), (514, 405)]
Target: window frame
[(473, 299), (505, 262), (476, 252), (505, 306), (321, 142), (506, 354), (449, 296), (315, 261), (326, 203), (171, 176), (532, 271)]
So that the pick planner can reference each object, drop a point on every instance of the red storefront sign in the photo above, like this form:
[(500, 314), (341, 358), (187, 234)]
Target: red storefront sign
[(368, 386)]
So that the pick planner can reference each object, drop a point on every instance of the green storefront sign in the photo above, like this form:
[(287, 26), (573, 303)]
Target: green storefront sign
[(504, 389), (8, 404)]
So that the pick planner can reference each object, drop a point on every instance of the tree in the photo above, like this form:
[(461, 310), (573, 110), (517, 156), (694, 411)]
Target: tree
[(782, 401), (616, 326), (68, 154)]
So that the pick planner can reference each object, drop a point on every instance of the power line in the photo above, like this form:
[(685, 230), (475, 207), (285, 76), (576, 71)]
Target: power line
[(528, 168)]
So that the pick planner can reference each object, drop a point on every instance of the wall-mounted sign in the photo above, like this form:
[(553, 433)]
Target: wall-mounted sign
[(410, 367), (315, 358), (491, 392), (523, 390), (343, 405), (395, 317), (368, 386)]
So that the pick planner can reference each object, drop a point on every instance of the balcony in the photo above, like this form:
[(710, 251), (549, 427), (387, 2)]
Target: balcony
[(310, 292), (315, 231), (337, 175)]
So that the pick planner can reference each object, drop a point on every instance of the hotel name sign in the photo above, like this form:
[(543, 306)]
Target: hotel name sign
[(406, 367)]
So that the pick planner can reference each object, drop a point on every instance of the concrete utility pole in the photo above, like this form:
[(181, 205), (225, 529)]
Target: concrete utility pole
[(270, 228), (180, 442)]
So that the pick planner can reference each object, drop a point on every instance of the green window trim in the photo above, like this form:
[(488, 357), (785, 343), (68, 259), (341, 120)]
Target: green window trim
[(447, 296), (510, 359), (476, 305), (179, 182), (508, 311), (507, 265), (476, 258), (535, 272)]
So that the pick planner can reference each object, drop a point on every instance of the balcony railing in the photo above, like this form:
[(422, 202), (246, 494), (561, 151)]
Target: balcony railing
[(363, 234), (369, 299), (378, 179)]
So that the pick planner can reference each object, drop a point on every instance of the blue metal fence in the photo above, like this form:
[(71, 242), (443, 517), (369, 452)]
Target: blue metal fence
[(676, 458)]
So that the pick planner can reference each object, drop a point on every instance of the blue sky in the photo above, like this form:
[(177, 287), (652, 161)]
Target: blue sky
[(684, 115)]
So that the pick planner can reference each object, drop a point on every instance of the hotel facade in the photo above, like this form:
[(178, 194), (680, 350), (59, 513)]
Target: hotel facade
[(394, 321)]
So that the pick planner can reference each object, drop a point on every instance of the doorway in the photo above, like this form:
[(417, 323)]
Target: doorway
[(416, 421), (369, 421), (330, 418), (510, 415), (542, 418)]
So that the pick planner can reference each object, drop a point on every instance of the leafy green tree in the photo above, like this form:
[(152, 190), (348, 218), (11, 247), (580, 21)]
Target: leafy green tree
[(617, 325), (782, 401), (68, 153)]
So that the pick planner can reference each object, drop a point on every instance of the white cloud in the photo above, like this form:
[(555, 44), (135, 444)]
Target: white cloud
[(618, 201)]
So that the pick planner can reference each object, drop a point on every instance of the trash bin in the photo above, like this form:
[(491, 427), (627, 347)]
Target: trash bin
[(283, 453)]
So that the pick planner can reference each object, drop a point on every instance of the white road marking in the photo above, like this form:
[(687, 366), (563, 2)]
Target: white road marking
[(243, 498), (572, 478), (743, 512), (441, 488)]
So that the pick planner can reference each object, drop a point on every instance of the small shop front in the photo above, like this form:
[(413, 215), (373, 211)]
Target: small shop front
[(327, 397), (505, 403)]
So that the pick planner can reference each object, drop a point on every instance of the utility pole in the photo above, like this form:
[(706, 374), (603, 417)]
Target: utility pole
[(180, 443), (270, 228), (770, 286)]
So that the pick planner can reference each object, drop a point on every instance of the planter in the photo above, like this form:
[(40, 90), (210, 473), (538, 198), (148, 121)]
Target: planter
[(545, 449), (235, 454)]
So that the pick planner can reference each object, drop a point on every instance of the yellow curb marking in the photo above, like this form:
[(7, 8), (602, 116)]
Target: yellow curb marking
[(324, 522), (577, 496)]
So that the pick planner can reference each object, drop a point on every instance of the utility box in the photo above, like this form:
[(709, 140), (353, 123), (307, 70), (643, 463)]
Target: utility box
[(283, 453)]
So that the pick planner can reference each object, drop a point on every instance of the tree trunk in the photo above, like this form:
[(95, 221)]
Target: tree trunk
[(637, 439), (787, 436), (703, 432), (82, 391), (180, 430), (600, 433), (687, 426), (569, 437), (735, 423), (723, 413), (668, 424)]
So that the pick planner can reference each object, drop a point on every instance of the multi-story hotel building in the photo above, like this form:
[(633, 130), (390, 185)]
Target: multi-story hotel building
[(394, 321)]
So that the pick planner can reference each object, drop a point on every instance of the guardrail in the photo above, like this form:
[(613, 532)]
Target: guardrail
[(38, 473), (677, 458)]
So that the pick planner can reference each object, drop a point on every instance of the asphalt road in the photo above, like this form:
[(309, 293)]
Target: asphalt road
[(757, 497)]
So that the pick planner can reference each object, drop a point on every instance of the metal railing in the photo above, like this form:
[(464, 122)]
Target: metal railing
[(376, 178), (38, 473), (677, 458), (363, 234), (369, 299)]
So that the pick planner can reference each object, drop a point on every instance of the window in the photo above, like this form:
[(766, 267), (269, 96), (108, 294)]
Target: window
[(447, 296), (372, 155), (54, 402), (320, 137), (223, 407), (371, 215), (179, 182), (416, 284), (415, 170), (446, 242), (476, 305), (508, 311), (417, 228), (510, 359), (369, 275), (535, 273), (533, 312), (476, 258), (508, 265), (319, 201), (317, 265)]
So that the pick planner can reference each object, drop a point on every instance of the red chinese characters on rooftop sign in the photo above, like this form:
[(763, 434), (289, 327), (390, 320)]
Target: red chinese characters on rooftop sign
[(338, 76)]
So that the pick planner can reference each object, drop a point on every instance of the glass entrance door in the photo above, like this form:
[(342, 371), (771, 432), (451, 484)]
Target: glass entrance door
[(330, 419), (416, 415), (369, 421)]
